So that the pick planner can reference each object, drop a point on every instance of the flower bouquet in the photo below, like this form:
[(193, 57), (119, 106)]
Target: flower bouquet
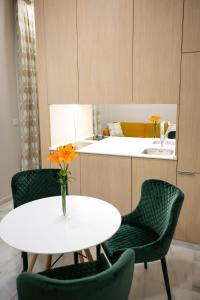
[(62, 157)]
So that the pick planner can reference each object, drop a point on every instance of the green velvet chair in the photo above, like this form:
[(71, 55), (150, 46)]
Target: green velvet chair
[(85, 281), (31, 185), (34, 184), (150, 227)]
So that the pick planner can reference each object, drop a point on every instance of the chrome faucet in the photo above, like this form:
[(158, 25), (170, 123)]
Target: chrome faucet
[(162, 132)]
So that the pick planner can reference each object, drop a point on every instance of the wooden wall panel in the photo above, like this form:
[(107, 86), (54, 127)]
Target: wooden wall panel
[(189, 221), (108, 178), (61, 51), (146, 168), (189, 125), (157, 51), (191, 26), (105, 31)]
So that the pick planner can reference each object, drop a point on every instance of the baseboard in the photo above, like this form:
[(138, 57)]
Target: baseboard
[(5, 199)]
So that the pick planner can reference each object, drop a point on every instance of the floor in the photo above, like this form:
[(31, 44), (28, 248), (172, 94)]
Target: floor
[(183, 265)]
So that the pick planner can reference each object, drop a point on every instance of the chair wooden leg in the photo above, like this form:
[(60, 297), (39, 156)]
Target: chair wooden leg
[(25, 261), (48, 261), (81, 258), (145, 265), (75, 257), (32, 263), (88, 254), (166, 278), (98, 251)]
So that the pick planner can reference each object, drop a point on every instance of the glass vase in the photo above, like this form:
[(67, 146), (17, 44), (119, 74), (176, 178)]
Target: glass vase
[(63, 196)]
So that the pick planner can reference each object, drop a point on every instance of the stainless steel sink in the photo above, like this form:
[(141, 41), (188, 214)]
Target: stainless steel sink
[(158, 151), (168, 142)]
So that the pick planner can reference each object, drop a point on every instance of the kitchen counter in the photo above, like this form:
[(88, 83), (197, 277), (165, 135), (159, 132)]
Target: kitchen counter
[(125, 146)]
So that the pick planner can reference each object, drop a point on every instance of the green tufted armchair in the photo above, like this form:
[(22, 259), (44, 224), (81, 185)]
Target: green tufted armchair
[(85, 281), (32, 185), (150, 227)]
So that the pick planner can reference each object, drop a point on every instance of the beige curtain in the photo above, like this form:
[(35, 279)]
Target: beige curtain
[(96, 110), (27, 85)]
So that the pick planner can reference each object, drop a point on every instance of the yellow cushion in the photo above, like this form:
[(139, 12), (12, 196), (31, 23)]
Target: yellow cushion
[(133, 129), (149, 130)]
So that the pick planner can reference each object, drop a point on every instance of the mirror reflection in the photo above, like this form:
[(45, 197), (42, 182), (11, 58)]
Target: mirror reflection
[(77, 123)]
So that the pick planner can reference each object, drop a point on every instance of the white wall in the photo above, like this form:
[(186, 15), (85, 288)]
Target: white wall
[(62, 126), (69, 123), (9, 134), (136, 112), (83, 121)]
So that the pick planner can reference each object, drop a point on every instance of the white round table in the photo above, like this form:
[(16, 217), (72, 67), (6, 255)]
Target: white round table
[(39, 226)]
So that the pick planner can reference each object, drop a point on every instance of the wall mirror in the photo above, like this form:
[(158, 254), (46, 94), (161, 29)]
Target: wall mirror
[(75, 123)]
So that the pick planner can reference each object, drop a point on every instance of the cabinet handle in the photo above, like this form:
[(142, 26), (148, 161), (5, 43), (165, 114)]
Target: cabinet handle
[(186, 173)]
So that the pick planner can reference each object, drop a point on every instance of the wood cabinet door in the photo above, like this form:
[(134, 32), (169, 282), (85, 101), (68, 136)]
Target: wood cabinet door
[(108, 178), (191, 26), (189, 124), (146, 168), (157, 50), (105, 33), (74, 185), (61, 51), (189, 220)]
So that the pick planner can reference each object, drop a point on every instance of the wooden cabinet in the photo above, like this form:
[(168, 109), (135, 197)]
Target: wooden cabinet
[(191, 26), (74, 185), (189, 124), (157, 51), (61, 51), (56, 60), (189, 220), (105, 30), (111, 52), (143, 168), (108, 178)]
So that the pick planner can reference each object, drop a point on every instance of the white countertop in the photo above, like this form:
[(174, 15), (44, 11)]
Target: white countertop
[(126, 146)]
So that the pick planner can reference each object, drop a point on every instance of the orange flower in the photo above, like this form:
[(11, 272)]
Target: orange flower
[(154, 118), (64, 154), (68, 147), (54, 158), (71, 157), (61, 153)]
